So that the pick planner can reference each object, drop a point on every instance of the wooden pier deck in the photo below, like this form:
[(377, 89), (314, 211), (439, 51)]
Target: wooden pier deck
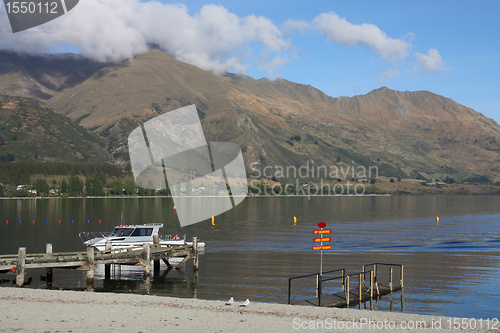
[(139, 256), (365, 289)]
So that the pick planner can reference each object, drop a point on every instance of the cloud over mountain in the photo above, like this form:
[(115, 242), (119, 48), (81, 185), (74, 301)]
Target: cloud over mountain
[(213, 39)]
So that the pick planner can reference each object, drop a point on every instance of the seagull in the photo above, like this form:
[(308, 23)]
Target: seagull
[(245, 303), (230, 302)]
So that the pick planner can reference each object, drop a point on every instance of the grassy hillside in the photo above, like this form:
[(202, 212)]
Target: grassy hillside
[(31, 131)]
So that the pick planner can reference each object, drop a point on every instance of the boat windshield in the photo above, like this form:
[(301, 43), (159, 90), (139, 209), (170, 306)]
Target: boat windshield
[(121, 232)]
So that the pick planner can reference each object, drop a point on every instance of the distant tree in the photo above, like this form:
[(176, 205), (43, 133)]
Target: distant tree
[(64, 186), (129, 187), (392, 180), (338, 159), (97, 187), (141, 191), (478, 179), (41, 187), (75, 185), (88, 186), (117, 187), (373, 181)]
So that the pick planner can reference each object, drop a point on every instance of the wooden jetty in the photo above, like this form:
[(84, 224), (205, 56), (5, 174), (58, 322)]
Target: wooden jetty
[(356, 288), (138, 256)]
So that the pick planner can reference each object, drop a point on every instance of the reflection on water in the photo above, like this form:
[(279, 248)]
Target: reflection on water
[(451, 267)]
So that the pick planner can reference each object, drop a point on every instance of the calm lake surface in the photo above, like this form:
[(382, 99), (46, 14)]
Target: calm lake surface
[(451, 268)]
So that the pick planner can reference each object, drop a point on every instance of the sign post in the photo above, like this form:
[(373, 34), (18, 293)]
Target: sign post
[(320, 240)]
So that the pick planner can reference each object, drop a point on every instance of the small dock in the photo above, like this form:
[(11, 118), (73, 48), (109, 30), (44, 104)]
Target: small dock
[(372, 282), (137, 256)]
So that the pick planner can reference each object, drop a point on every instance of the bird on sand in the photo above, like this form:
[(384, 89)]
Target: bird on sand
[(230, 302), (245, 303)]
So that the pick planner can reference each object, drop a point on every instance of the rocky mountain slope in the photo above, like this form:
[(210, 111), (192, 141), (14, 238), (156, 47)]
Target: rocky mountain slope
[(276, 123)]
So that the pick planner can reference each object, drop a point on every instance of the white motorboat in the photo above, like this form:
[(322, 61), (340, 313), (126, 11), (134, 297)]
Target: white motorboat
[(132, 235)]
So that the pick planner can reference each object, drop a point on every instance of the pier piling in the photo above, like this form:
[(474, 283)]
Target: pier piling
[(50, 270), (146, 262), (107, 267), (90, 265), (156, 262), (195, 254), (21, 266)]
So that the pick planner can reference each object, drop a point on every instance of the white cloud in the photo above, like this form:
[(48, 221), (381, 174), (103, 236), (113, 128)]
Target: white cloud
[(213, 39), (295, 26), (386, 74), (431, 62), (367, 35), (112, 30)]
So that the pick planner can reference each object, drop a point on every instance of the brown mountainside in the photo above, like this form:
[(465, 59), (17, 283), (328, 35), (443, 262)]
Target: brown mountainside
[(277, 123)]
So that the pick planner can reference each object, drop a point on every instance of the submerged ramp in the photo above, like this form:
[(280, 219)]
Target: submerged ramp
[(356, 288)]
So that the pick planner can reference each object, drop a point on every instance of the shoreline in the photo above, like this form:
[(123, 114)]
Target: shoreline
[(41, 310)]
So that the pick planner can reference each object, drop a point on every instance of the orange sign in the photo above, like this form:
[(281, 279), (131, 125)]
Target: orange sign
[(324, 247), (319, 240), (325, 231)]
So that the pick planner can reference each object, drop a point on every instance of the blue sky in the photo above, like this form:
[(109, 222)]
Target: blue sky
[(465, 33), (344, 48)]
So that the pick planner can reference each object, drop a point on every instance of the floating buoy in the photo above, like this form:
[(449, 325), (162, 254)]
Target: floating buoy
[(294, 220), (7, 221), (213, 220), (59, 221), (72, 221), (174, 207), (99, 221), (46, 221), (88, 221), (33, 221), (437, 218), (20, 221)]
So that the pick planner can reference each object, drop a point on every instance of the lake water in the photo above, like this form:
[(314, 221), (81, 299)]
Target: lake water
[(450, 268)]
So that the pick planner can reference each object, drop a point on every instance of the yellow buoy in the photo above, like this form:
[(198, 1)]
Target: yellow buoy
[(213, 221), (294, 220), (437, 218)]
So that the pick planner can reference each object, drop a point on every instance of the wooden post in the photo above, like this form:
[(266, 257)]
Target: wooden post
[(317, 285), (290, 291), (195, 253), (347, 291), (21, 266), (401, 281), (359, 288), (50, 271), (107, 267), (343, 277), (156, 263), (363, 275), (320, 288), (371, 285), (90, 265), (146, 262), (390, 279)]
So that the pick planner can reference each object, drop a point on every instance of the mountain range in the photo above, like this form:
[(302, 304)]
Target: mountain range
[(276, 123)]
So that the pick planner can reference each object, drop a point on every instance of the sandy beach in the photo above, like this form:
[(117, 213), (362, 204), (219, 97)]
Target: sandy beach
[(32, 310)]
